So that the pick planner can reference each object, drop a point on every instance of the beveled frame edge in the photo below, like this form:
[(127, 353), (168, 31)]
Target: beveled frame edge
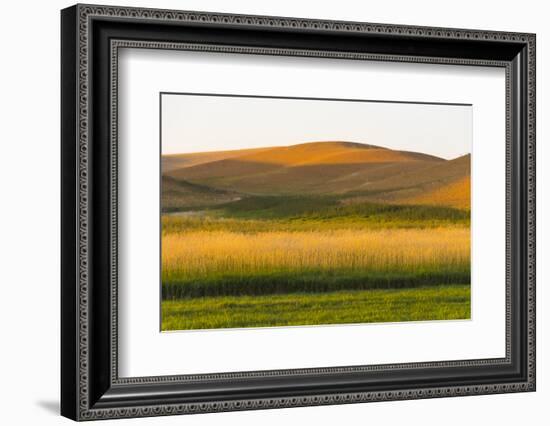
[(75, 199)]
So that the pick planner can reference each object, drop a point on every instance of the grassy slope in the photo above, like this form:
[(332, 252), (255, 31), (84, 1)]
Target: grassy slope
[(417, 185), (345, 307), (332, 153), (456, 194), (329, 207), (356, 172), (322, 167), (178, 193)]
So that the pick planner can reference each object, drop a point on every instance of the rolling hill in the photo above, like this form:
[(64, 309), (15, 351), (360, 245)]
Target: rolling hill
[(455, 194), (178, 161), (353, 172), (430, 184), (179, 193)]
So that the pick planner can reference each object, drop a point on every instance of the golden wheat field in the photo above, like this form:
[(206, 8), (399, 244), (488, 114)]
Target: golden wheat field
[(197, 254)]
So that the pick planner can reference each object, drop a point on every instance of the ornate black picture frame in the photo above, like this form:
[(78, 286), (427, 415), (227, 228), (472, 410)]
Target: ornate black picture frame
[(90, 38)]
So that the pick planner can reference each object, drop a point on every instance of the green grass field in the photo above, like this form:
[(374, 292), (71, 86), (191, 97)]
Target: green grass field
[(339, 307)]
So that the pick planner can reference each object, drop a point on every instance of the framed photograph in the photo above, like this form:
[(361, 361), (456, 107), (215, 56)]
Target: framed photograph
[(263, 212)]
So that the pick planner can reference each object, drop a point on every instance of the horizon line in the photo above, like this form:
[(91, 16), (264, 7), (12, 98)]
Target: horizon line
[(312, 142)]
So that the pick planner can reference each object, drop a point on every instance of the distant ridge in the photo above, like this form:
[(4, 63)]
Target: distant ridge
[(177, 161), (330, 152), (357, 171)]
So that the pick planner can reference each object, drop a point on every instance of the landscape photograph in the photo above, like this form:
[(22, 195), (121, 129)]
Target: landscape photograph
[(281, 212)]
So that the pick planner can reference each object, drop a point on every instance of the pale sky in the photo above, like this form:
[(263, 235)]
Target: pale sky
[(193, 123)]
